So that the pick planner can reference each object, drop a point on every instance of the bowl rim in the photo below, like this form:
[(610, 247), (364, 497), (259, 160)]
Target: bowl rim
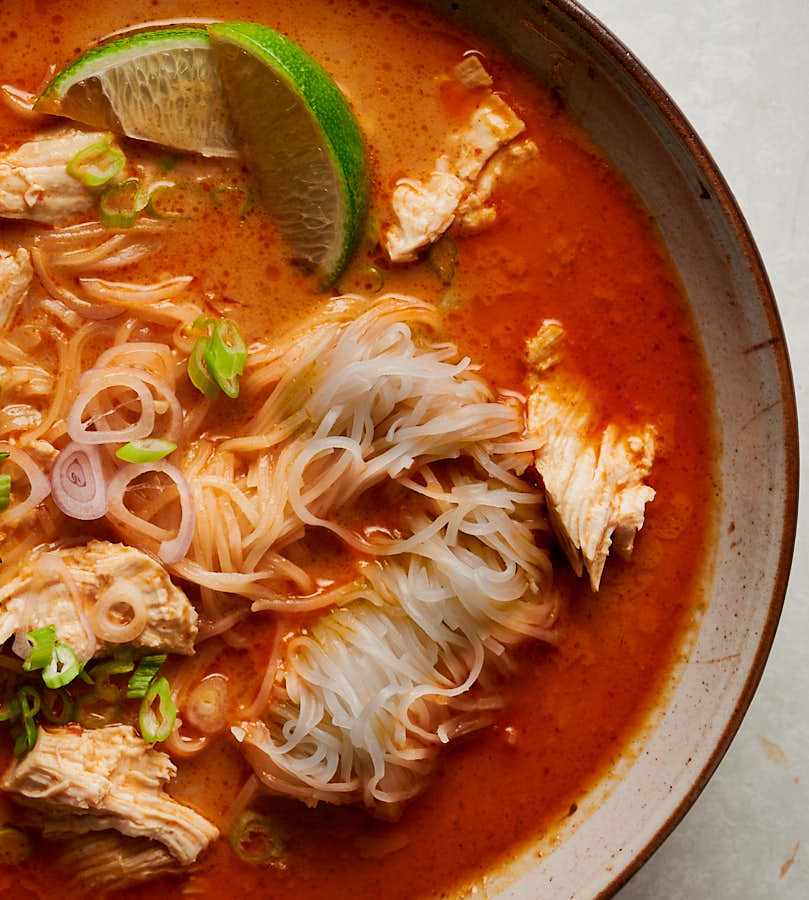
[(715, 183)]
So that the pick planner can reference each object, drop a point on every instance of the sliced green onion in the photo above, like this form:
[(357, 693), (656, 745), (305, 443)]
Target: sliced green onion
[(378, 279), (198, 373), (157, 725), (96, 164), (225, 356), (15, 846), (42, 641), (29, 701), (62, 668), (94, 710), (30, 704), (143, 675), (122, 662), (119, 204), (173, 202), (205, 324), (442, 257), (249, 202), (4, 454), (57, 707), (5, 491), (146, 450), (10, 709), (256, 839)]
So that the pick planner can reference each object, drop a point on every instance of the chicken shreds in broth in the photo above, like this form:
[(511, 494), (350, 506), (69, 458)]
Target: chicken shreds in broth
[(400, 603)]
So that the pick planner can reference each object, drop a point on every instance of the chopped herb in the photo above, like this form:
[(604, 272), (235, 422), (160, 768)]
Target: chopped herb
[(10, 709), (256, 839), (96, 164), (198, 373), (119, 204), (29, 702), (57, 707), (172, 202), (5, 492), (225, 355), (169, 162), (42, 641), (4, 454), (62, 668), (143, 676), (378, 279), (122, 662), (145, 450), (157, 724), (249, 202), (94, 711), (442, 259)]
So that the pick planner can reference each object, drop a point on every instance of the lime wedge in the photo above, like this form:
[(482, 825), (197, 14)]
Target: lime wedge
[(161, 86), (301, 139), (236, 87)]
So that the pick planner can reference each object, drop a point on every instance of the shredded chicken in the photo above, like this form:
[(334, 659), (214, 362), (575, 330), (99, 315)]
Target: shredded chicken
[(475, 211), (15, 278), (425, 210), (63, 588), (34, 183), (594, 479), (75, 781), (108, 860), (471, 73)]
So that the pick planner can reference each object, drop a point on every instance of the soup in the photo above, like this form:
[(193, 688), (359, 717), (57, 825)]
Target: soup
[(296, 549)]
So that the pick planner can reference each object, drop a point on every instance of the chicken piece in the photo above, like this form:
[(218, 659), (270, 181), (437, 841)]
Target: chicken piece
[(77, 589), (75, 781), (26, 381), (425, 210), (34, 183), (15, 277), (474, 211), (594, 479), (108, 860), (471, 74)]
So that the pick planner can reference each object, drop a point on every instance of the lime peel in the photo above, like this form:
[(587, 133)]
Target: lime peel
[(317, 182)]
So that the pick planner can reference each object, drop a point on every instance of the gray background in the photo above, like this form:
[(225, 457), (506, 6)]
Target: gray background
[(739, 70)]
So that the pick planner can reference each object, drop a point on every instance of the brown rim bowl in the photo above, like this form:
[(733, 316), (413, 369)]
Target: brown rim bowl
[(641, 130)]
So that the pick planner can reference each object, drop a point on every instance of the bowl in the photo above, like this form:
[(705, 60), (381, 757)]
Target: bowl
[(641, 130)]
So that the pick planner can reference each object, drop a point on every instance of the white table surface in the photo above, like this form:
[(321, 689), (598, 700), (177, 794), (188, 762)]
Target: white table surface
[(739, 70)]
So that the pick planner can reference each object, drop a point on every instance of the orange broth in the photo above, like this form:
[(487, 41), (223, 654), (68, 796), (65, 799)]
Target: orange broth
[(570, 242)]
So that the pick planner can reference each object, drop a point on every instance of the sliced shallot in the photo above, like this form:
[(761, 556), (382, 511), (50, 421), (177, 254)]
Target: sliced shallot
[(169, 403), (119, 615), (40, 486), (77, 482), (171, 550), (96, 381)]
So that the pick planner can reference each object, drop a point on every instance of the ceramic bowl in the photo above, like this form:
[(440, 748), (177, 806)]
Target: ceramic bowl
[(606, 89)]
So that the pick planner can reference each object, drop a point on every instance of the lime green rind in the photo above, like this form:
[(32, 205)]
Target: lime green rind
[(95, 60), (340, 131)]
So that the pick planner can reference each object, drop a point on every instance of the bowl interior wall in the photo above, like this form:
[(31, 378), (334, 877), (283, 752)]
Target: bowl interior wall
[(649, 142)]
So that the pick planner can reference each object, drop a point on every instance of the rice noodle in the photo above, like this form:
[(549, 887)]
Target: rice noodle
[(126, 293), (40, 486), (83, 307), (96, 382)]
